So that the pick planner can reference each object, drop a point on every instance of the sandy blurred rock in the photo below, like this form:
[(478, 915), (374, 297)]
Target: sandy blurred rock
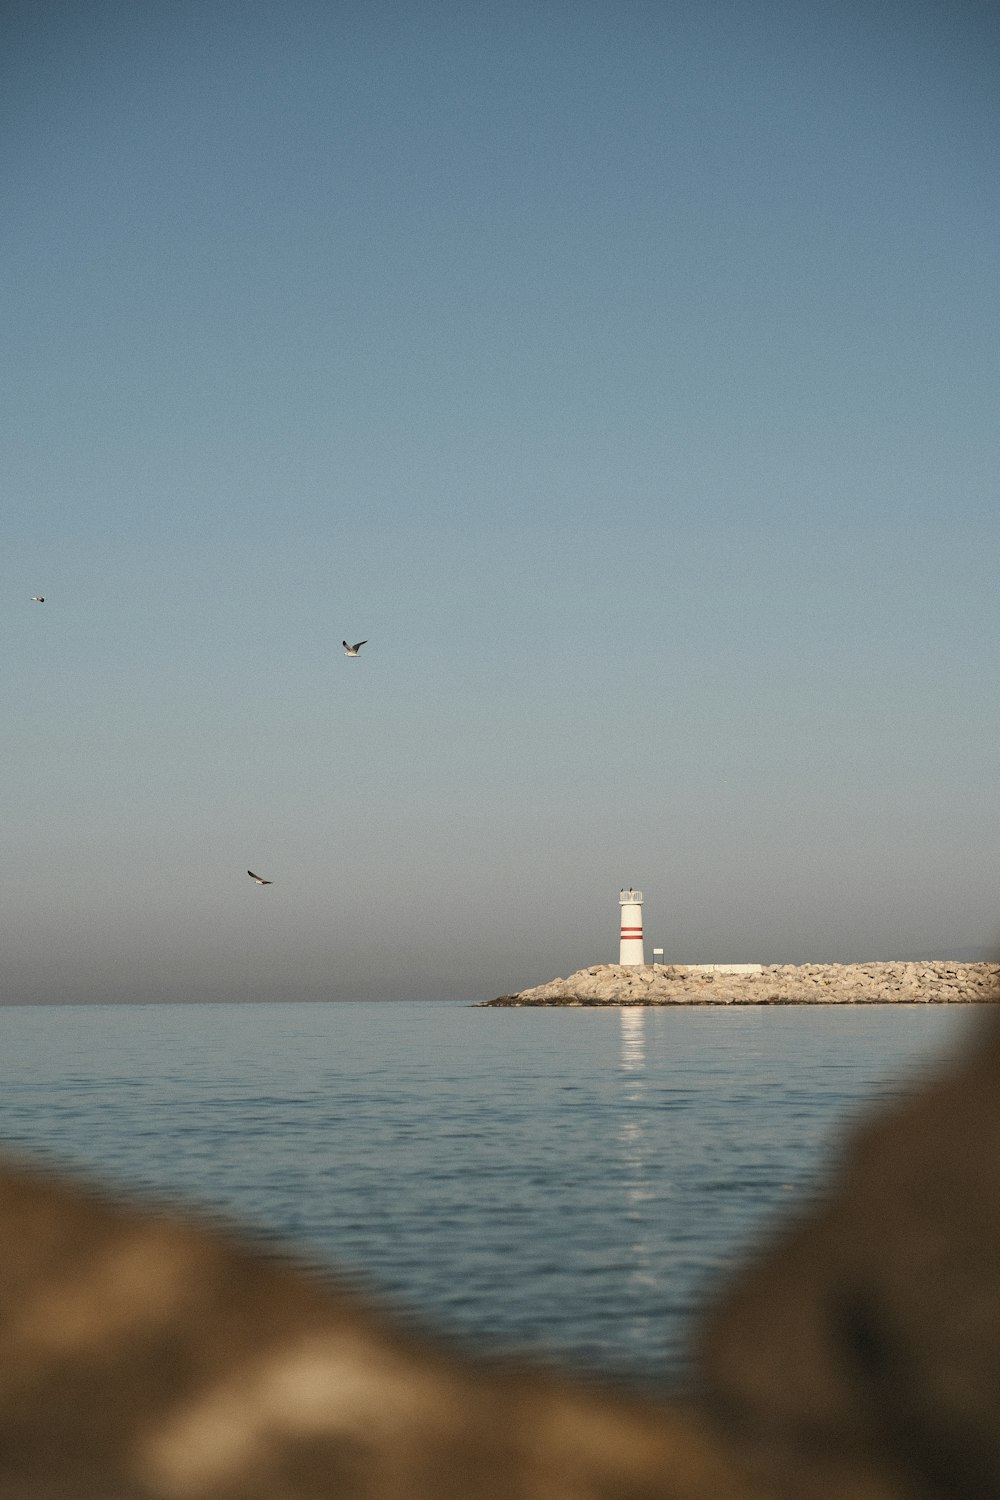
[(146, 1358), (870, 1332)]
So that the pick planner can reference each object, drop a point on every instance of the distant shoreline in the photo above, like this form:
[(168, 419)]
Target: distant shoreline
[(928, 982)]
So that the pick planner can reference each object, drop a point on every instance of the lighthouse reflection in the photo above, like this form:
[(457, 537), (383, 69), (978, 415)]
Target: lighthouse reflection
[(635, 1148), (633, 1056)]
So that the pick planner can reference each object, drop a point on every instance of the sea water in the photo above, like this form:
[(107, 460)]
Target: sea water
[(565, 1184)]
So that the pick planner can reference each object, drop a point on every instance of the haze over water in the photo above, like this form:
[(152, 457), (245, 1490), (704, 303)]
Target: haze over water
[(625, 374)]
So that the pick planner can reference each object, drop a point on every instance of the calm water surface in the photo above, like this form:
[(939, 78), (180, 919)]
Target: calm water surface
[(569, 1182)]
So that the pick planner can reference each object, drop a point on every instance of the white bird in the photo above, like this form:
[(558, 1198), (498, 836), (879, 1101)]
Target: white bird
[(353, 650), (38, 598), (259, 879)]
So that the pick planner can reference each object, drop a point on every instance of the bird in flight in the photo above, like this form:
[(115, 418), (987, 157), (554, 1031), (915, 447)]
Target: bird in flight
[(353, 650), (259, 879), (38, 598)]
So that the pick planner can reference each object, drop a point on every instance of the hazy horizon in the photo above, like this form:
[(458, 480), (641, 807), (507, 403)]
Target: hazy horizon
[(627, 376)]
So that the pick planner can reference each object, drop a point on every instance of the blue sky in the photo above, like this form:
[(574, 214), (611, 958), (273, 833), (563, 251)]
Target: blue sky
[(626, 374)]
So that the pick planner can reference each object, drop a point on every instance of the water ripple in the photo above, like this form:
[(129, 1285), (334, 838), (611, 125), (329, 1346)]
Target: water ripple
[(566, 1183)]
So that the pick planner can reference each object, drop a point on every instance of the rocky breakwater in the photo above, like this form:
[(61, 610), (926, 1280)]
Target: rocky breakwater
[(928, 982)]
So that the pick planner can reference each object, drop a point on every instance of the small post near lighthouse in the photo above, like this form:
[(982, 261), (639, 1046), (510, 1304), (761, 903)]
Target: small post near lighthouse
[(631, 951)]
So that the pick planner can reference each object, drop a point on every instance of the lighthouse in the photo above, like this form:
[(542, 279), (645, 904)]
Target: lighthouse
[(631, 945)]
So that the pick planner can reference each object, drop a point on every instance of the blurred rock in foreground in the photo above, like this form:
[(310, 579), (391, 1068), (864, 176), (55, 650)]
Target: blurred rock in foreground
[(145, 1357)]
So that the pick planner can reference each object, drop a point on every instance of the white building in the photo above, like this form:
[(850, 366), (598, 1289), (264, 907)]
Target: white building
[(631, 949)]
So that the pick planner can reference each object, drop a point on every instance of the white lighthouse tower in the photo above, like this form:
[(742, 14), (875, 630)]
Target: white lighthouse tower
[(631, 946)]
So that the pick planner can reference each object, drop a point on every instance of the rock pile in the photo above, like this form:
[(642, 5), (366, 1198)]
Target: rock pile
[(926, 982)]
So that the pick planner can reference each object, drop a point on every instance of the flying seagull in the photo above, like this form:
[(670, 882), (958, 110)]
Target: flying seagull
[(38, 598), (353, 650), (258, 879)]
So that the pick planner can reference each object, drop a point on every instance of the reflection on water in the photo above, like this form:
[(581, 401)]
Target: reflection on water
[(640, 1276), (633, 1037), (573, 1182)]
